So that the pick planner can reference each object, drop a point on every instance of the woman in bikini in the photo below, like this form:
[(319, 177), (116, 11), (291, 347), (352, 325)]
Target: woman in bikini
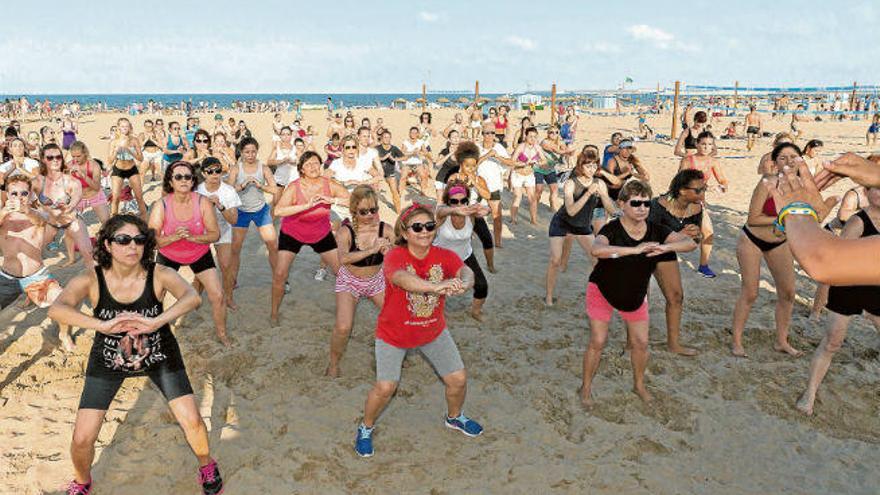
[(557, 154), (87, 171), (528, 155), (124, 153), (687, 142), (760, 239), (765, 164), (152, 151), (704, 161), (362, 244), (58, 195)]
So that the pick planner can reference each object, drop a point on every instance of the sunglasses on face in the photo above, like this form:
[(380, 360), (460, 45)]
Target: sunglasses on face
[(487, 133), (20, 194), (51, 158), (350, 147), (368, 211), (201, 140), (698, 190), (635, 203), (212, 171), (125, 239), (427, 226), (186, 177), (456, 201)]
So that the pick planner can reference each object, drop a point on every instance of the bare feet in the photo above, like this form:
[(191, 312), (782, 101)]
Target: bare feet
[(332, 371), (476, 314), (681, 350), (787, 349), (643, 394), (231, 306), (274, 321), (805, 404), (549, 301), (586, 398), (492, 269), (738, 351), (563, 268), (224, 339), (66, 342)]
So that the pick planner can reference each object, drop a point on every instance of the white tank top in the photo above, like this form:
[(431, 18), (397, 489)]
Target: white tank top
[(456, 240)]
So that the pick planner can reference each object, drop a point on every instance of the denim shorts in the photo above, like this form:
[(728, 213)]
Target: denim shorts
[(261, 217)]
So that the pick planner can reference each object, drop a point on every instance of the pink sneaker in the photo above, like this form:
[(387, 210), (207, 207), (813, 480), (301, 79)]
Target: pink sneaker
[(209, 478), (74, 488)]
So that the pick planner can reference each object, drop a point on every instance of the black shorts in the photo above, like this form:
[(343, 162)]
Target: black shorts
[(852, 300), (389, 170), (495, 196), (752, 129), (289, 243), (123, 174), (10, 289), (99, 391), (560, 228), (206, 262), (546, 177)]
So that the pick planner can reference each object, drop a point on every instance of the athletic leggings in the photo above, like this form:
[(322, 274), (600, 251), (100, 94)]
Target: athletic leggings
[(481, 286), (482, 230)]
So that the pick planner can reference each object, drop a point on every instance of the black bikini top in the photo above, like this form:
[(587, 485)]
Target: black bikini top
[(374, 259)]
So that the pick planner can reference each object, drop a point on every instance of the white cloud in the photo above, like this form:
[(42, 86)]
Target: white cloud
[(429, 16), (657, 36), (522, 43), (601, 47)]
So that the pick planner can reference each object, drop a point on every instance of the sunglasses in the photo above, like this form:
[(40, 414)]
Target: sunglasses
[(552, 133), (20, 194), (698, 190), (427, 226), (486, 133), (456, 202), (635, 203), (53, 157), (125, 239), (186, 177), (350, 147), (368, 211), (212, 171), (201, 140)]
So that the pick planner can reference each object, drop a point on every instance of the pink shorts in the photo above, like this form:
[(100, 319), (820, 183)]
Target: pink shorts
[(359, 287), (96, 200), (598, 308)]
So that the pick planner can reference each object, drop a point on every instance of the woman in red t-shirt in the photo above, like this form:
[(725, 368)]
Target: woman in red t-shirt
[(418, 277)]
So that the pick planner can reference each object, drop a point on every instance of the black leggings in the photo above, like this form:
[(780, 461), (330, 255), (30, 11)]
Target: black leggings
[(482, 230), (481, 286)]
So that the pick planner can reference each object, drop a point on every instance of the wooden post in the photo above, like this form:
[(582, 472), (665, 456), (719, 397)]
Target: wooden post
[(553, 103), (477, 92), (735, 96), (424, 97), (852, 98), (674, 132)]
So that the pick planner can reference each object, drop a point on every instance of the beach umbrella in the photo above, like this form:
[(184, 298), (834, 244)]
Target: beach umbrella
[(464, 99), (442, 100), (503, 99), (482, 99), (399, 100), (420, 100)]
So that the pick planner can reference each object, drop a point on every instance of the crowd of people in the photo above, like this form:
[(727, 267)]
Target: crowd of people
[(443, 187)]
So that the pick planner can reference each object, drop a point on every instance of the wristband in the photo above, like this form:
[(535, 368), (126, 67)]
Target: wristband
[(614, 256), (796, 208), (221, 208)]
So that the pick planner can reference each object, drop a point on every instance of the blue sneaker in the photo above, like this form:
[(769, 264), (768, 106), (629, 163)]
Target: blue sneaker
[(363, 443), (53, 246), (705, 271), (465, 425)]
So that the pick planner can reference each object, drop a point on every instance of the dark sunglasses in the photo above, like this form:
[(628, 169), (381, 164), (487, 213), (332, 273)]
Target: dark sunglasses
[(456, 202), (552, 133), (21, 194), (427, 226), (125, 239), (201, 140), (486, 133), (212, 171), (698, 190), (53, 157), (182, 177), (635, 203), (368, 211), (350, 147)]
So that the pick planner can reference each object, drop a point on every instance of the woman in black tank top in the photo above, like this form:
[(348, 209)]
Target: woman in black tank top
[(361, 244), (844, 302), (582, 193), (133, 338)]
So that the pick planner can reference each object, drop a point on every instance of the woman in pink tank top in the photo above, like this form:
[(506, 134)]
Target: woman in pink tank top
[(304, 208), (186, 226)]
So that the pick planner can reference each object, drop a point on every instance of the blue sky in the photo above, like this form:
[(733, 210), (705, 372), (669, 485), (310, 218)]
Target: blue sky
[(392, 46)]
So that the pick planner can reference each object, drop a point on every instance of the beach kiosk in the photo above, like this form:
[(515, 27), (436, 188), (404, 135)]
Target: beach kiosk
[(527, 100)]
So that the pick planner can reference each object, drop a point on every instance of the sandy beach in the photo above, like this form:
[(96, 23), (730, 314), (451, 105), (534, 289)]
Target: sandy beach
[(719, 424)]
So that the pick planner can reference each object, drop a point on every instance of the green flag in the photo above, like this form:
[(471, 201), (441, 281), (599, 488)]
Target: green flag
[(628, 79)]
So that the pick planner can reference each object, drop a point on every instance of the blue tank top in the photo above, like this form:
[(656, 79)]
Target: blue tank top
[(173, 157)]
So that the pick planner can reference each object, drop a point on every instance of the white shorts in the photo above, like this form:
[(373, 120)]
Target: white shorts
[(517, 180), (153, 157), (476, 124)]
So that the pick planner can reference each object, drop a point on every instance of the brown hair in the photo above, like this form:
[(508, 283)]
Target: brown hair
[(51, 146), (454, 183), (635, 188), (400, 225)]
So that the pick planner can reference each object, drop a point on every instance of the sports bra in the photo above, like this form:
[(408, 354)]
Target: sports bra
[(82, 179), (374, 259), (149, 143), (124, 156), (500, 125)]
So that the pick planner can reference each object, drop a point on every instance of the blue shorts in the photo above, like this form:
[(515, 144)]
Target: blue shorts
[(546, 178), (874, 129), (261, 217), (599, 213)]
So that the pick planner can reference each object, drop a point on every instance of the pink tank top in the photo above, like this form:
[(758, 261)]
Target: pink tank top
[(311, 225), (184, 251)]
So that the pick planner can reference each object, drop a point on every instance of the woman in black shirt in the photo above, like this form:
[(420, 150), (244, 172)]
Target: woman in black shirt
[(628, 249)]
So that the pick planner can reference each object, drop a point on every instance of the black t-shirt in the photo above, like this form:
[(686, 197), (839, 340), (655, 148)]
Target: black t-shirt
[(393, 151), (662, 216), (448, 168), (624, 281)]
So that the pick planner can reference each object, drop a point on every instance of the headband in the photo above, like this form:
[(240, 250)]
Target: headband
[(413, 207), (457, 190)]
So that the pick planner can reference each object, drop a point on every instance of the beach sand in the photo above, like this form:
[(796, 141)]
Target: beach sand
[(719, 424)]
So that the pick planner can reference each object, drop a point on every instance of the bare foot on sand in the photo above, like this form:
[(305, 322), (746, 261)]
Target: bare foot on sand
[(586, 399), (224, 339), (549, 301), (274, 322), (643, 394), (805, 404), (332, 371), (492, 269), (787, 349), (738, 351), (681, 350), (476, 314), (231, 306)]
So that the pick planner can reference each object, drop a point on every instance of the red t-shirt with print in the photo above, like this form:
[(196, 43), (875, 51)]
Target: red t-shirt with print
[(411, 319)]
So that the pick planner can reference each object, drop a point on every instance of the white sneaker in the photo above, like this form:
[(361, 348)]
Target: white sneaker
[(321, 274), (287, 287)]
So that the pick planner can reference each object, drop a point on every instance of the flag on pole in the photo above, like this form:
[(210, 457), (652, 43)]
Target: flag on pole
[(628, 80)]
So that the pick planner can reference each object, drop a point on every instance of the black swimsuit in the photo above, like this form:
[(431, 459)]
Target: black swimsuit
[(374, 259), (852, 300)]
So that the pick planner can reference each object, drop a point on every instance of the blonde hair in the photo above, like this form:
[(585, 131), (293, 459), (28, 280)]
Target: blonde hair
[(360, 193)]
